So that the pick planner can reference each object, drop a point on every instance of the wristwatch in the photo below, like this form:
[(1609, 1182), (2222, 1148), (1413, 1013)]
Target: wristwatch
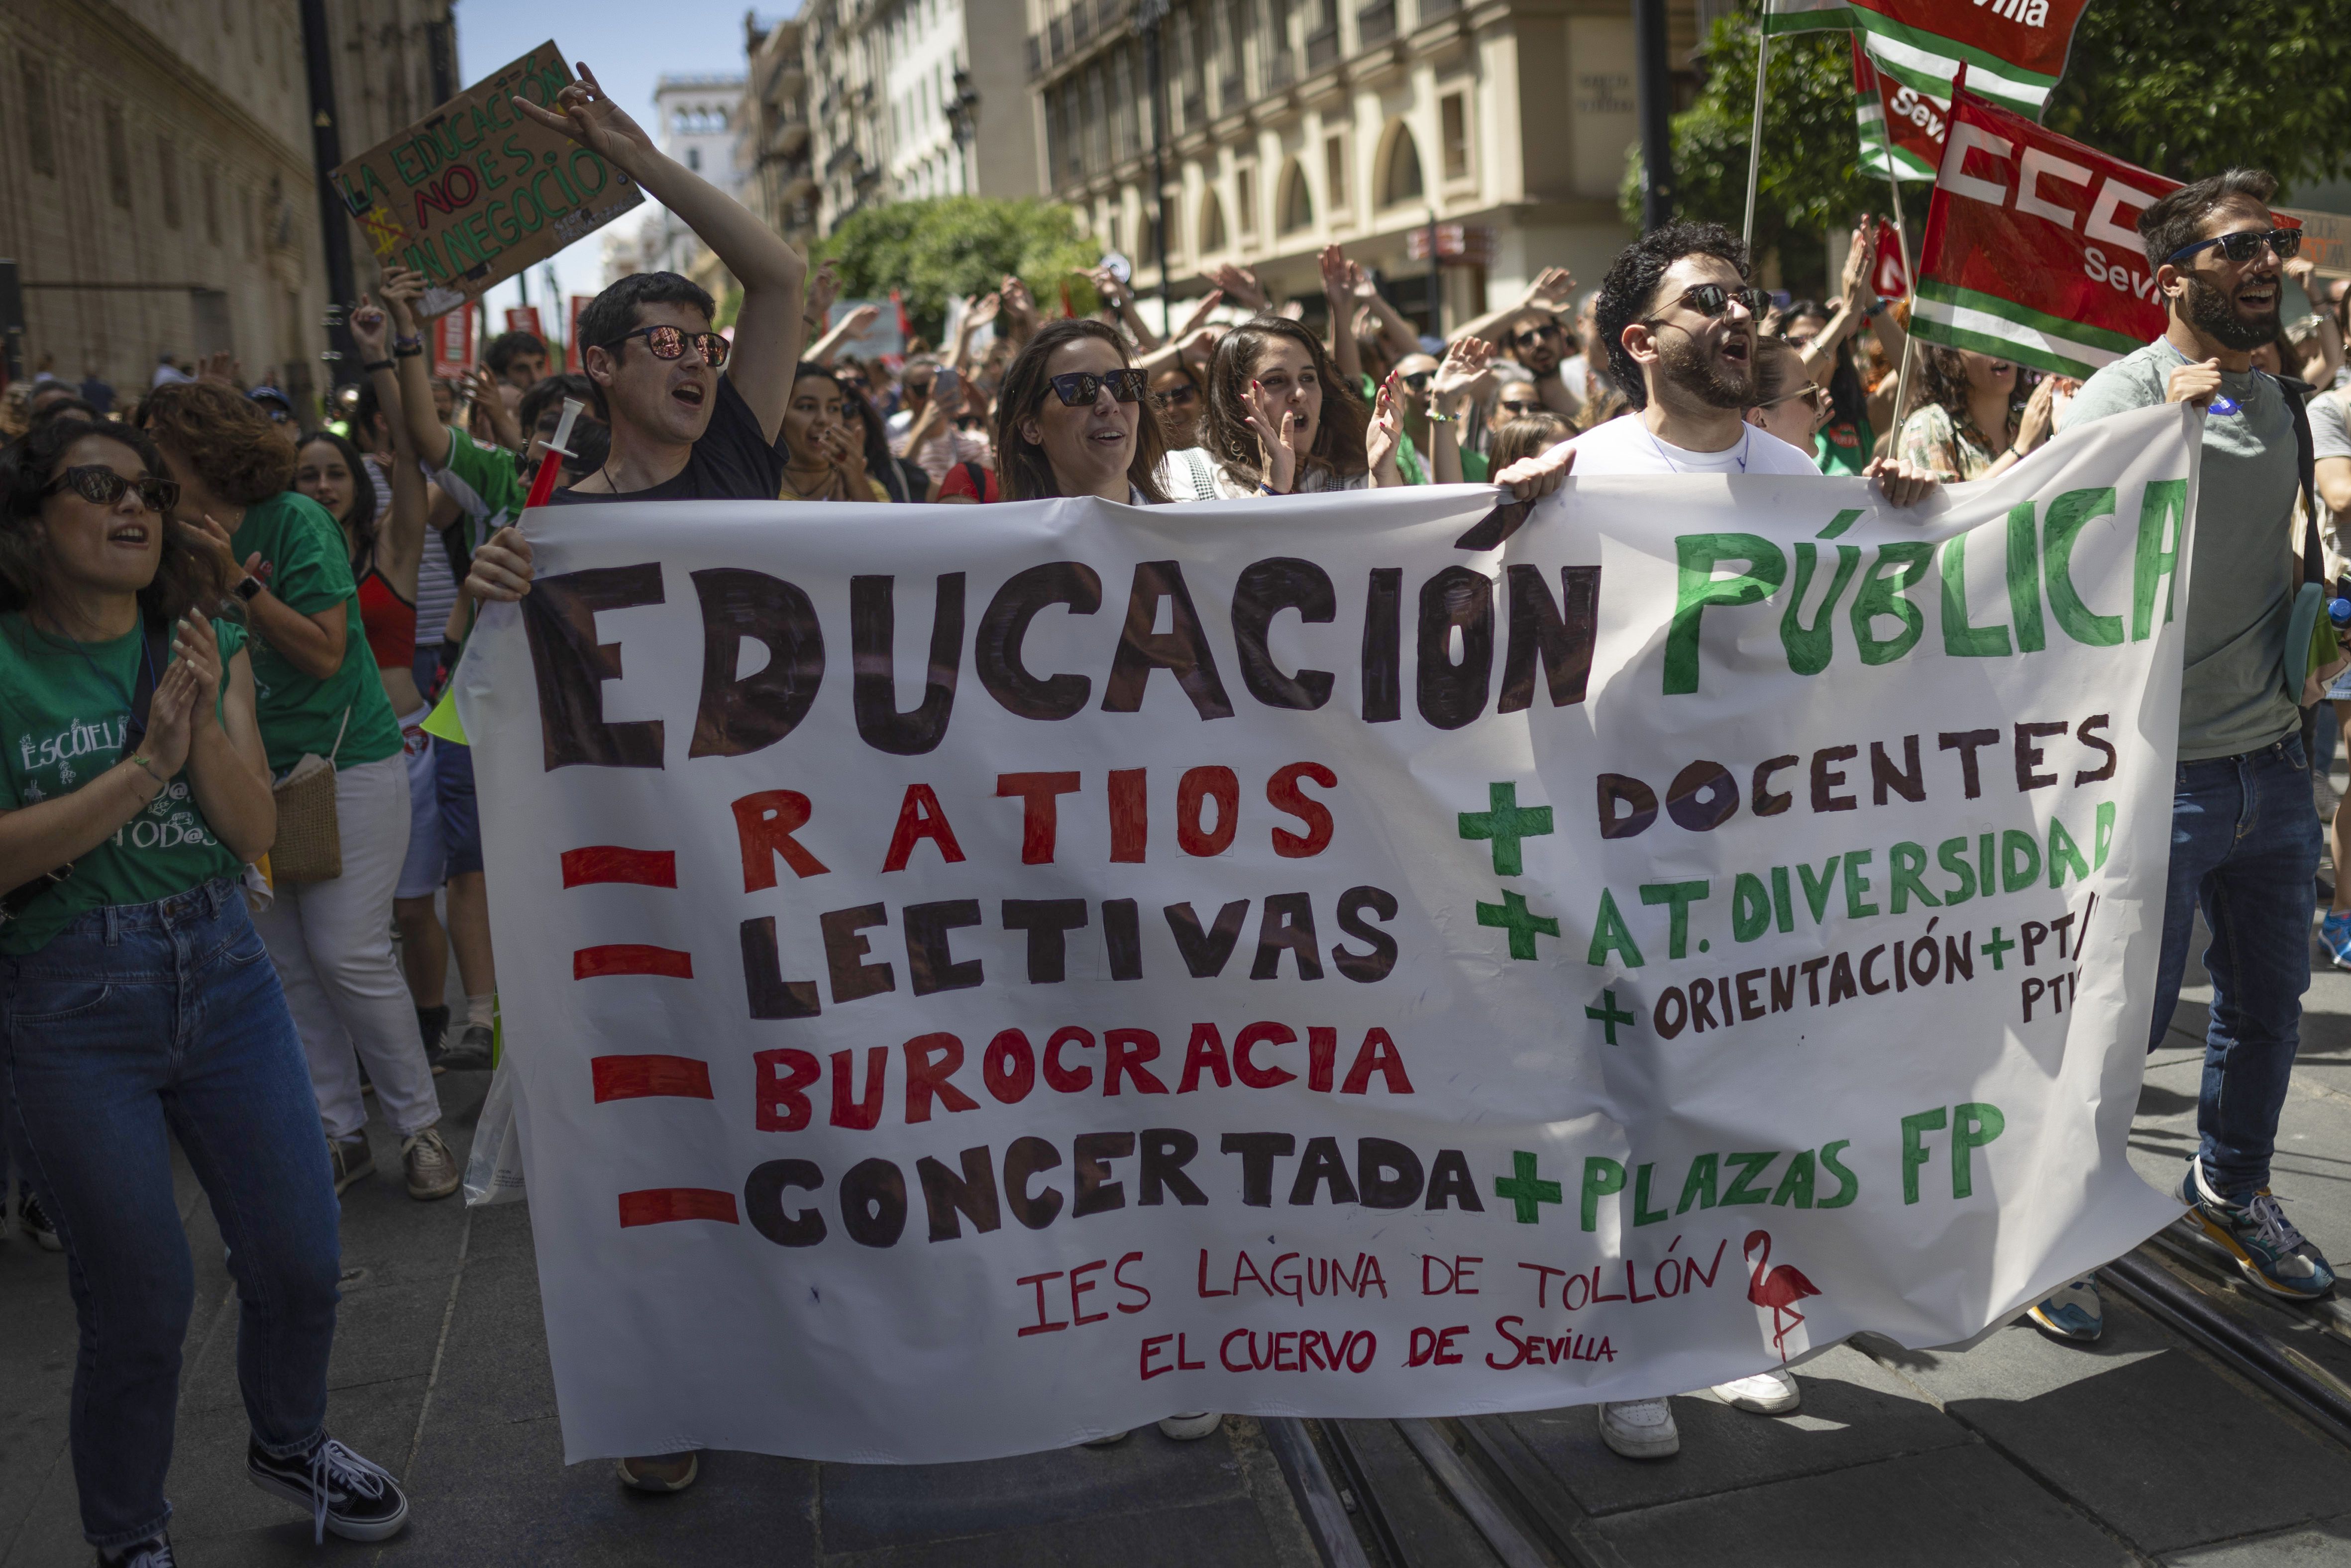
[(248, 589)]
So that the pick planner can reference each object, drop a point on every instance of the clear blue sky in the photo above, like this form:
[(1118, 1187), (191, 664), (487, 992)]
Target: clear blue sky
[(629, 44)]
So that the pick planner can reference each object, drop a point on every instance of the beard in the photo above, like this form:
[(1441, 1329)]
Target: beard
[(2214, 314), (1704, 376)]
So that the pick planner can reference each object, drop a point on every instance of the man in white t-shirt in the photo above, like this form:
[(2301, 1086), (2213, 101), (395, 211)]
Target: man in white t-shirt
[(1680, 322)]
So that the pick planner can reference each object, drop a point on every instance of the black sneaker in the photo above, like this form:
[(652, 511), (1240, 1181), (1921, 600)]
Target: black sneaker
[(345, 1493), (36, 1222), (153, 1552), (472, 1051)]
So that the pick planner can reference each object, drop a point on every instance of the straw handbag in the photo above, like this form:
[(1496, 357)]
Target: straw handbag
[(310, 846)]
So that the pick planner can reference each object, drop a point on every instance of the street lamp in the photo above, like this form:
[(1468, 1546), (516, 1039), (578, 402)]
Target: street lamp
[(963, 119)]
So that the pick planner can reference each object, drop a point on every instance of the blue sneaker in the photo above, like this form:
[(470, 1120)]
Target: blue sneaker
[(2072, 1313), (2335, 930), (2269, 1251)]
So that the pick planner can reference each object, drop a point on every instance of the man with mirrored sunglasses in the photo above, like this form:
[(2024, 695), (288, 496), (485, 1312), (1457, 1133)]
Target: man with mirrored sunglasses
[(1534, 332), (2244, 841)]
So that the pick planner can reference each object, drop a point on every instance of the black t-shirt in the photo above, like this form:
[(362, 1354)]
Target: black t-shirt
[(732, 462)]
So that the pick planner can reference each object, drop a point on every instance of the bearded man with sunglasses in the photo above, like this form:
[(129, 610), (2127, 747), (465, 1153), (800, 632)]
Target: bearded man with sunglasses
[(2244, 842), (1682, 328)]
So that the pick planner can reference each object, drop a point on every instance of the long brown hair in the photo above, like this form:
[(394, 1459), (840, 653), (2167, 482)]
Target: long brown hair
[(1338, 435), (1943, 380), (184, 581), (1022, 472)]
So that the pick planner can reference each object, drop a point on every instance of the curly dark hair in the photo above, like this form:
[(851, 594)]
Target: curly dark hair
[(1629, 292), (184, 581), (1225, 431), (1943, 381), (242, 454), (1022, 472)]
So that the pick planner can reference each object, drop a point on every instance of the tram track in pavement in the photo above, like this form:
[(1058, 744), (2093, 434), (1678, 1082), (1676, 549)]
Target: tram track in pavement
[(1469, 1492)]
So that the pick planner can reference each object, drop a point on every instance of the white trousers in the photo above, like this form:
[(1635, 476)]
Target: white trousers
[(332, 943)]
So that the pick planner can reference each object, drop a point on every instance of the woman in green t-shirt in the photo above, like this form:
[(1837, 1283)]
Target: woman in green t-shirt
[(134, 996), (318, 694)]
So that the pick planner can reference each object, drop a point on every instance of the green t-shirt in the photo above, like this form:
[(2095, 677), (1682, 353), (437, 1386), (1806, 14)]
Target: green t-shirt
[(486, 484), (2232, 696), (1843, 445), (310, 571), (1409, 462), (63, 707)]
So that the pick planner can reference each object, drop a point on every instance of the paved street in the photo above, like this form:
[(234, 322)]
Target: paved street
[(2018, 1451)]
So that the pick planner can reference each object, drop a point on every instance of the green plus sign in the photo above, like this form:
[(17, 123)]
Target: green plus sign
[(1609, 1016), (1997, 949), (1506, 824), (1526, 1193), (1513, 916)]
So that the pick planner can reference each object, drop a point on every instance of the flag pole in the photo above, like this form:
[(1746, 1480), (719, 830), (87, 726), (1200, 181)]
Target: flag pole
[(1910, 266), (1755, 133)]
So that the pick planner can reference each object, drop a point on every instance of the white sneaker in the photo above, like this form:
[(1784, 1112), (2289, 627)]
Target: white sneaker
[(1185, 1428), (1640, 1429), (1773, 1393)]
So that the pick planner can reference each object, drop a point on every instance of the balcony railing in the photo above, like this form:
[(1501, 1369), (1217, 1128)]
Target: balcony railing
[(1056, 44), (1376, 24), (1196, 108), (1281, 71), (1430, 10), (1036, 56), (1322, 48), (1082, 22), (1111, 12), (1228, 92)]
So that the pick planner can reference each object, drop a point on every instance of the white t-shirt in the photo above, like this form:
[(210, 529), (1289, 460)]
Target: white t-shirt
[(1627, 445)]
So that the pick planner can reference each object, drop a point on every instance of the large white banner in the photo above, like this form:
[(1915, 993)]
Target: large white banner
[(980, 979)]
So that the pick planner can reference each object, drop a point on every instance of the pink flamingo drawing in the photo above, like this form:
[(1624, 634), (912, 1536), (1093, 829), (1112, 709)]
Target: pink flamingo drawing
[(1779, 1290)]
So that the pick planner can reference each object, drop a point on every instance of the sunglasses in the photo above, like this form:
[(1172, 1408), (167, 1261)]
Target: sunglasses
[(1533, 335), (1514, 405), (669, 343), (2245, 245), (1175, 397), (1713, 299), (1814, 397), (1081, 386), (1419, 380), (101, 485)]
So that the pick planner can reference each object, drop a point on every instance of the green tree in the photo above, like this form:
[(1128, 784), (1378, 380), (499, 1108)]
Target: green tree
[(1810, 184), (946, 246), (2187, 90), (2182, 86)]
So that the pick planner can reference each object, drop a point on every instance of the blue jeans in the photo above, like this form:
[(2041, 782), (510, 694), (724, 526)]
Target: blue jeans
[(134, 1020), (2244, 845)]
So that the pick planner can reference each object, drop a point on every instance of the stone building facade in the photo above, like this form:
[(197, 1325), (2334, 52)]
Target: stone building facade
[(1292, 123), (158, 192)]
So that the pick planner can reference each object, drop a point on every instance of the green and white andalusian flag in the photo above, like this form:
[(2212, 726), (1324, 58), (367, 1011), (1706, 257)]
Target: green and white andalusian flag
[(1780, 17)]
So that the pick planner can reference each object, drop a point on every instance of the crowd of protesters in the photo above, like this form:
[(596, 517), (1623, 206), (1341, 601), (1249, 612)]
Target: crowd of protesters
[(222, 634)]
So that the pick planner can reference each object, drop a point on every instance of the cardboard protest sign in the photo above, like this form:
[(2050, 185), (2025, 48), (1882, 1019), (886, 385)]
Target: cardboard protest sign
[(473, 193), (979, 982), (2325, 239)]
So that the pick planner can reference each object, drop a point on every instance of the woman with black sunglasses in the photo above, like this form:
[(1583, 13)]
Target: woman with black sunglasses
[(1071, 419), (135, 995)]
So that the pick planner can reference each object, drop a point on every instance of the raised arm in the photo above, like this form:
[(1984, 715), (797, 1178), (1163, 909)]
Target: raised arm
[(1553, 289), (427, 436), (1339, 294), (853, 325), (768, 330), (1120, 299), (400, 542)]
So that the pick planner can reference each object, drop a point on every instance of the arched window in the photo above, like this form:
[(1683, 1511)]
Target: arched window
[(1293, 203), (1399, 166), (1212, 225)]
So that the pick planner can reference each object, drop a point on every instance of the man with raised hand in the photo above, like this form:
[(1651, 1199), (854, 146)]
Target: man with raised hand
[(2244, 842), (1680, 322), (680, 430)]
